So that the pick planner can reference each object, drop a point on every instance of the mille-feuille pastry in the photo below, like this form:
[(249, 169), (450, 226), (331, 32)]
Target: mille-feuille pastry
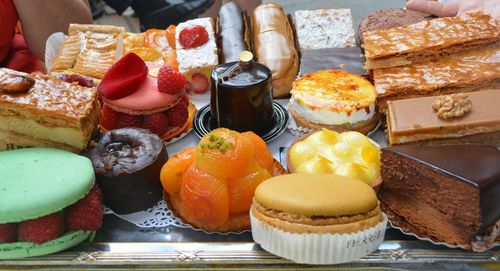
[(89, 50), (335, 100), (457, 118), (415, 43), (232, 32), (50, 113), (274, 46), (462, 72), (196, 53)]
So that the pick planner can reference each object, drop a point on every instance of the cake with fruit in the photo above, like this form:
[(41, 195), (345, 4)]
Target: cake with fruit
[(46, 207), (211, 186), (145, 96), (196, 53), (335, 100)]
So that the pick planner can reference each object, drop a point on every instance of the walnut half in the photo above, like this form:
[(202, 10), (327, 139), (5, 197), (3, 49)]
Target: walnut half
[(452, 106)]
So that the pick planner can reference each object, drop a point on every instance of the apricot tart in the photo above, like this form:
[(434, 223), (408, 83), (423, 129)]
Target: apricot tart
[(211, 186)]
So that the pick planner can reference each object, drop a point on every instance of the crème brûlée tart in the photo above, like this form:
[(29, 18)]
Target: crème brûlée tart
[(317, 218), (335, 100)]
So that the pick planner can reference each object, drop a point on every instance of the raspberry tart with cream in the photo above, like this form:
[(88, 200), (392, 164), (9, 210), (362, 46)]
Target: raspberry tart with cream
[(145, 96)]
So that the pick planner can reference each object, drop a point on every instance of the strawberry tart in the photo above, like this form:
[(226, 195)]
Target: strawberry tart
[(149, 96)]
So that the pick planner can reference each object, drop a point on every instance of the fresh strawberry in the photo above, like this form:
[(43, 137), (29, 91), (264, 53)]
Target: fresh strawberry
[(86, 214), (127, 120), (109, 118), (124, 77), (193, 36), (42, 229), (157, 123), (199, 83), (8, 233), (81, 80), (178, 115), (170, 81)]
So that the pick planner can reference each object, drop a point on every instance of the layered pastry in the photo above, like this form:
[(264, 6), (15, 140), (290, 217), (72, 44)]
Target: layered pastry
[(447, 193), (335, 100), (127, 163), (350, 154), (89, 50), (211, 186), (48, 202), (45, 112), (320, 29), (404, 45), (232, 32), (317, 218), (456, 118), (145, 96), (463, 72), (389, 18), (274, 46), (346, 59), (241, 97), (196, 53)]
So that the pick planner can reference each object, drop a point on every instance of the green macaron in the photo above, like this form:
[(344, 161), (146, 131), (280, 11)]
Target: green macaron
[(36, 182)]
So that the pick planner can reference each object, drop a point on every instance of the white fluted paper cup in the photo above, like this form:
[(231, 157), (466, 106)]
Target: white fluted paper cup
[(315, 248)]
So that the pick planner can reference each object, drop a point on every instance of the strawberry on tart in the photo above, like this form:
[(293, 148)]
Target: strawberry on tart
[(145, 96)]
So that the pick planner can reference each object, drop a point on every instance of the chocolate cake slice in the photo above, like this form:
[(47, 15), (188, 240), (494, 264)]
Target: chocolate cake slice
[(447, 193)]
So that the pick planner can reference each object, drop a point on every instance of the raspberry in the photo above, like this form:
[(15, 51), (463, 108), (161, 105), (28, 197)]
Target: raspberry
[(86, 214), (170, 81), (42, 229), (178, 115), (185, 100), (127, 120), (81, 80), (157, 123), (8, 233), (109, 118), (193, 36)]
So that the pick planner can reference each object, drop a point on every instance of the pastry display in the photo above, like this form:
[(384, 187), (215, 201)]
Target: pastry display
[(389, 18), (346, 59), (46, 207), (43, 111), (196, 53), (456, 118), (211, 186), (317, 218), (127, 163), (322, 28), (447, 193), (241, 96), (274, 46), (145, 96), (232, 32), (463, 72), (350, 154), (335, 100), (89, 50), (404, 45)]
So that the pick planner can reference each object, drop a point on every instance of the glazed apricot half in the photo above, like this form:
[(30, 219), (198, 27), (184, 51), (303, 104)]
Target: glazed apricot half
[(260, 152), (173, 170), (223, 153)]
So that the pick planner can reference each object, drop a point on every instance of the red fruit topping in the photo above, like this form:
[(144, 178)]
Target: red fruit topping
[(86, 214), (8, 233), (129, 121), (178, 115), (170, 81), (199, 83), (193, 36), (124, 77), (109, 118), (42, 229), (185, 100), (81, 80), (157, 123)]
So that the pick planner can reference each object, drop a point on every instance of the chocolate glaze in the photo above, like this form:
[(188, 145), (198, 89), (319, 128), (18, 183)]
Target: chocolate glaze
[(476, 165), (127, 163), (232, 32), (346, 59)]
